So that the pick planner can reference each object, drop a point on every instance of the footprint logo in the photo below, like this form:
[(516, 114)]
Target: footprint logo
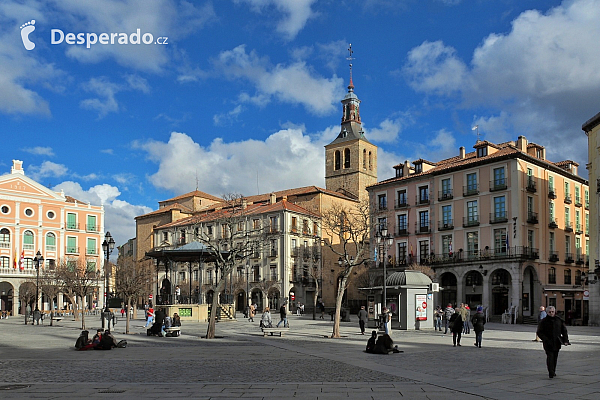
[(26, 29)]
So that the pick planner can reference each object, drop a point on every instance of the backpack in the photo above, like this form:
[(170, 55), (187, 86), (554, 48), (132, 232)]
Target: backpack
[(122, 344)]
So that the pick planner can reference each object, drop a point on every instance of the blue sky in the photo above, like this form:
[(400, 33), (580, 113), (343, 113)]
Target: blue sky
[(246, 93)]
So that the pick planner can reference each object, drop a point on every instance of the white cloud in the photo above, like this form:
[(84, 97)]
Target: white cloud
[(540, 79), (47, 169), (387, 132), (106, 91), (295, 83), (227, 118), (286, 159), (296, 14), (40, 151), (119, 215)]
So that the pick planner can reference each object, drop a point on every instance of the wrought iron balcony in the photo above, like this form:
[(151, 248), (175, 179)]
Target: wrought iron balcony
[(402, 231), (498, 184), (516, 252), (532, 217), (568, 226), (578, 229), (569, 258), (471, 190), (578, 201), (445, 225), (568, 199), (445, 195), (472, 220), (422, 200), (553, 256), (531, 185), (401, 203), (498, 217), (551, 193), (553, 223)]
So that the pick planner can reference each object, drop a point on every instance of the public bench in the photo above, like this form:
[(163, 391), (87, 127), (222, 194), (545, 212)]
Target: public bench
[(173, 331), (273, 330)]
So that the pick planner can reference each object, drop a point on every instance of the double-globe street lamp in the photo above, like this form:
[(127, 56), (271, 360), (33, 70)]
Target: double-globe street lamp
[(384, 240), (38, 260), (107, 246)]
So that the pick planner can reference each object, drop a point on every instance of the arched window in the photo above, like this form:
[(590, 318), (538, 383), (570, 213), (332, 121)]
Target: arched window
[(50, 241), (364, 159), (370, 162), (337, 160), (567, 276), (346, 158), (4, 238), (28, 243)]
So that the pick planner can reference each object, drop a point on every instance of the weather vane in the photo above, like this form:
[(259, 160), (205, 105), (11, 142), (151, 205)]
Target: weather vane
[(350, 58)]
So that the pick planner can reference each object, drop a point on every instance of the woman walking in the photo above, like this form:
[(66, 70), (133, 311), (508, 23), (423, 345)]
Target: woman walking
[(478, 321), (456, 324)]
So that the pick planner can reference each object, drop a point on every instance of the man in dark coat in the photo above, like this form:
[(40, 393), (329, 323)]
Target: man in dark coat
[(553, 332)]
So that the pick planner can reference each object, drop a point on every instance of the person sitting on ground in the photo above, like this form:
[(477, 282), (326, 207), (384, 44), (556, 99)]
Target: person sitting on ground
[(265, 320), (107, 342), (371, 342), (176, 320), (385, 345), (83, 340), (157, 328)]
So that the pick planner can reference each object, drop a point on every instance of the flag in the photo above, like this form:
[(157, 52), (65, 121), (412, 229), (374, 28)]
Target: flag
[(15, 259), (411, 251), (22, 261), (450, 248)]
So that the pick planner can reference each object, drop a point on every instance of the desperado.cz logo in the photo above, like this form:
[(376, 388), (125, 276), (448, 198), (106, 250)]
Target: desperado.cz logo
[(89, 39)]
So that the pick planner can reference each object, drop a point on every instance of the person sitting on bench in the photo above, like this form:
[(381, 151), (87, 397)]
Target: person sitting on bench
[(265, 320)]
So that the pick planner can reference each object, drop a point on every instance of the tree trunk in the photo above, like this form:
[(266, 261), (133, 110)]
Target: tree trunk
[(51, 312), (82, 314), (127, 316), (210, 332), (338, 307), (315, 297)]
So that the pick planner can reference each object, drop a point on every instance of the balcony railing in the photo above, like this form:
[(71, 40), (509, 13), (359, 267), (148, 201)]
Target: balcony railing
[(531, 185), (72, 226), (445, 225), (587, 205), (578, 229), (472, 220), (551, 193), (498, 217), (4, 245), (422, 200), (402, 231), (568, 199), (498, 184), (578, 201), (91, 251), (553, 256), (471, 190), (91, 228), (50, 247), (568, 226), (569, 258), (516, 252), (579, 259), (425, 228), (401, 203), (532, 217), (553, 223), (445, 195), (72, 250), (382, 206)]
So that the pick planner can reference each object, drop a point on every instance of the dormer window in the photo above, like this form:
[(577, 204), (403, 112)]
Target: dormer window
[(482, 152), (418, 168)]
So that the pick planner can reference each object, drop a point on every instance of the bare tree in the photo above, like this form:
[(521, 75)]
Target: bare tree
[(51, 287), (77, 278), (346, 230), (27, 293), (427, 270), (231, 242), (132, 279)]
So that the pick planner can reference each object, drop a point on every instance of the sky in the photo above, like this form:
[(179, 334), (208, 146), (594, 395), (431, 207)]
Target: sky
[(240, 96)]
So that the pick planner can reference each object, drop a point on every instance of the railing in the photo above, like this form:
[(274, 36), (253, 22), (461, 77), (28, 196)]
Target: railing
[(50, 247), (273, 230), (497, 184), (568, 199), (91, 228), (4, 245), (551, 193), (587, 205), (401, 203), (553, 223), (294, 229), (445, 225), (519, 252), (422, 228), (471, 190), (579, 259), (72, 226), (532, 217), (472, 220), (568, 226), (578, 229), (578, 201), (445, 195), (531, 185), (498, 217), (553, 256), (382, 206), (402, 231), (569, 258), (295, 252), (72, 250), (422, 200), (273, 253), (91, 251)]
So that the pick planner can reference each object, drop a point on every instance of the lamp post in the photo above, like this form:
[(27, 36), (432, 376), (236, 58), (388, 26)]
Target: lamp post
[(248, 299), (39, 259), (107, 246), (384, 240)]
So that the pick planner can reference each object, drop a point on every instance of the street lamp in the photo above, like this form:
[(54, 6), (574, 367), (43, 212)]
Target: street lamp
[(39, 259), (248, 298), (107, 246), (384, 240)]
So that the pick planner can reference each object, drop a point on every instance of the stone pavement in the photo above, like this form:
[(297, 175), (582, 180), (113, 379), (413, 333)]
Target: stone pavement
[(40, 362)]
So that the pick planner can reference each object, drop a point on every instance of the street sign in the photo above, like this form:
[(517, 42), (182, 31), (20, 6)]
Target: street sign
[(150, 296)]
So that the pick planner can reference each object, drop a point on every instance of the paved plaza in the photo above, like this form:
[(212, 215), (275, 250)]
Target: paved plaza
[(40, 362)]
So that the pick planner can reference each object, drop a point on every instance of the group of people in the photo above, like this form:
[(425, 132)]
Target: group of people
[(267, 322), (459, 320), (163, 321), (382, 344), (102, 340)]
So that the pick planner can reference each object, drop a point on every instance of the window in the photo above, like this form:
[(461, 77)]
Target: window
[(240, 226), (337, 160), (482, 152), (29, 212), (500, 208), (364, 159), (224, 230), (294, 224), (423, 250), (402, 252), (567, 246), (423, 194), (28, 263), (91, 247), (472, 244), (567, 192), (578, 220), (578, 277), (370, 162), (552, 275), (256, 224), (401, 198), (209, 230), (256, 273), (382, 201), (72, 221), (4, 262), (499, 178), (587, 223), (91, 224), (50, 242), (530, 241), (577, 195), (5, 209), (273, 275), (551, 183), (50, 214), (578, 247), (72, 245), (551, 210), (447, 245), (567, 217), (446, 189), (346, 158), (551, 241), (500, 246), (402, 224), (567, 276), (587, 198), (274, 224), (305, 229), (418, 168), (471, 183), (424, 221), (472, 216), (28, 241), (381, 223), (273, 252), (447, 216), (4, 238)]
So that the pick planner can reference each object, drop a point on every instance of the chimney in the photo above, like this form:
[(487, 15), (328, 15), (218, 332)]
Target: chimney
[(461, 152), (522, 144), (284, 198), (272, 198), (406, 168), (244, 203)]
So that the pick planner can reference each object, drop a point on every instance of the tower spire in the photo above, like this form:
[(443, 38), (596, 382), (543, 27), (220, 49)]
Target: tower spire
[(350, 58)]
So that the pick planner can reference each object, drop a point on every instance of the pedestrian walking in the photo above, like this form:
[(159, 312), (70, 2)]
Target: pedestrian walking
[(283, 316), (553, 332), (322, 308), (541, 316), (387, 321), (251, 312), (478, 321), (456, 326), (437, 321), (149, 316), (362, 319), (466, 315), (448, 312)]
